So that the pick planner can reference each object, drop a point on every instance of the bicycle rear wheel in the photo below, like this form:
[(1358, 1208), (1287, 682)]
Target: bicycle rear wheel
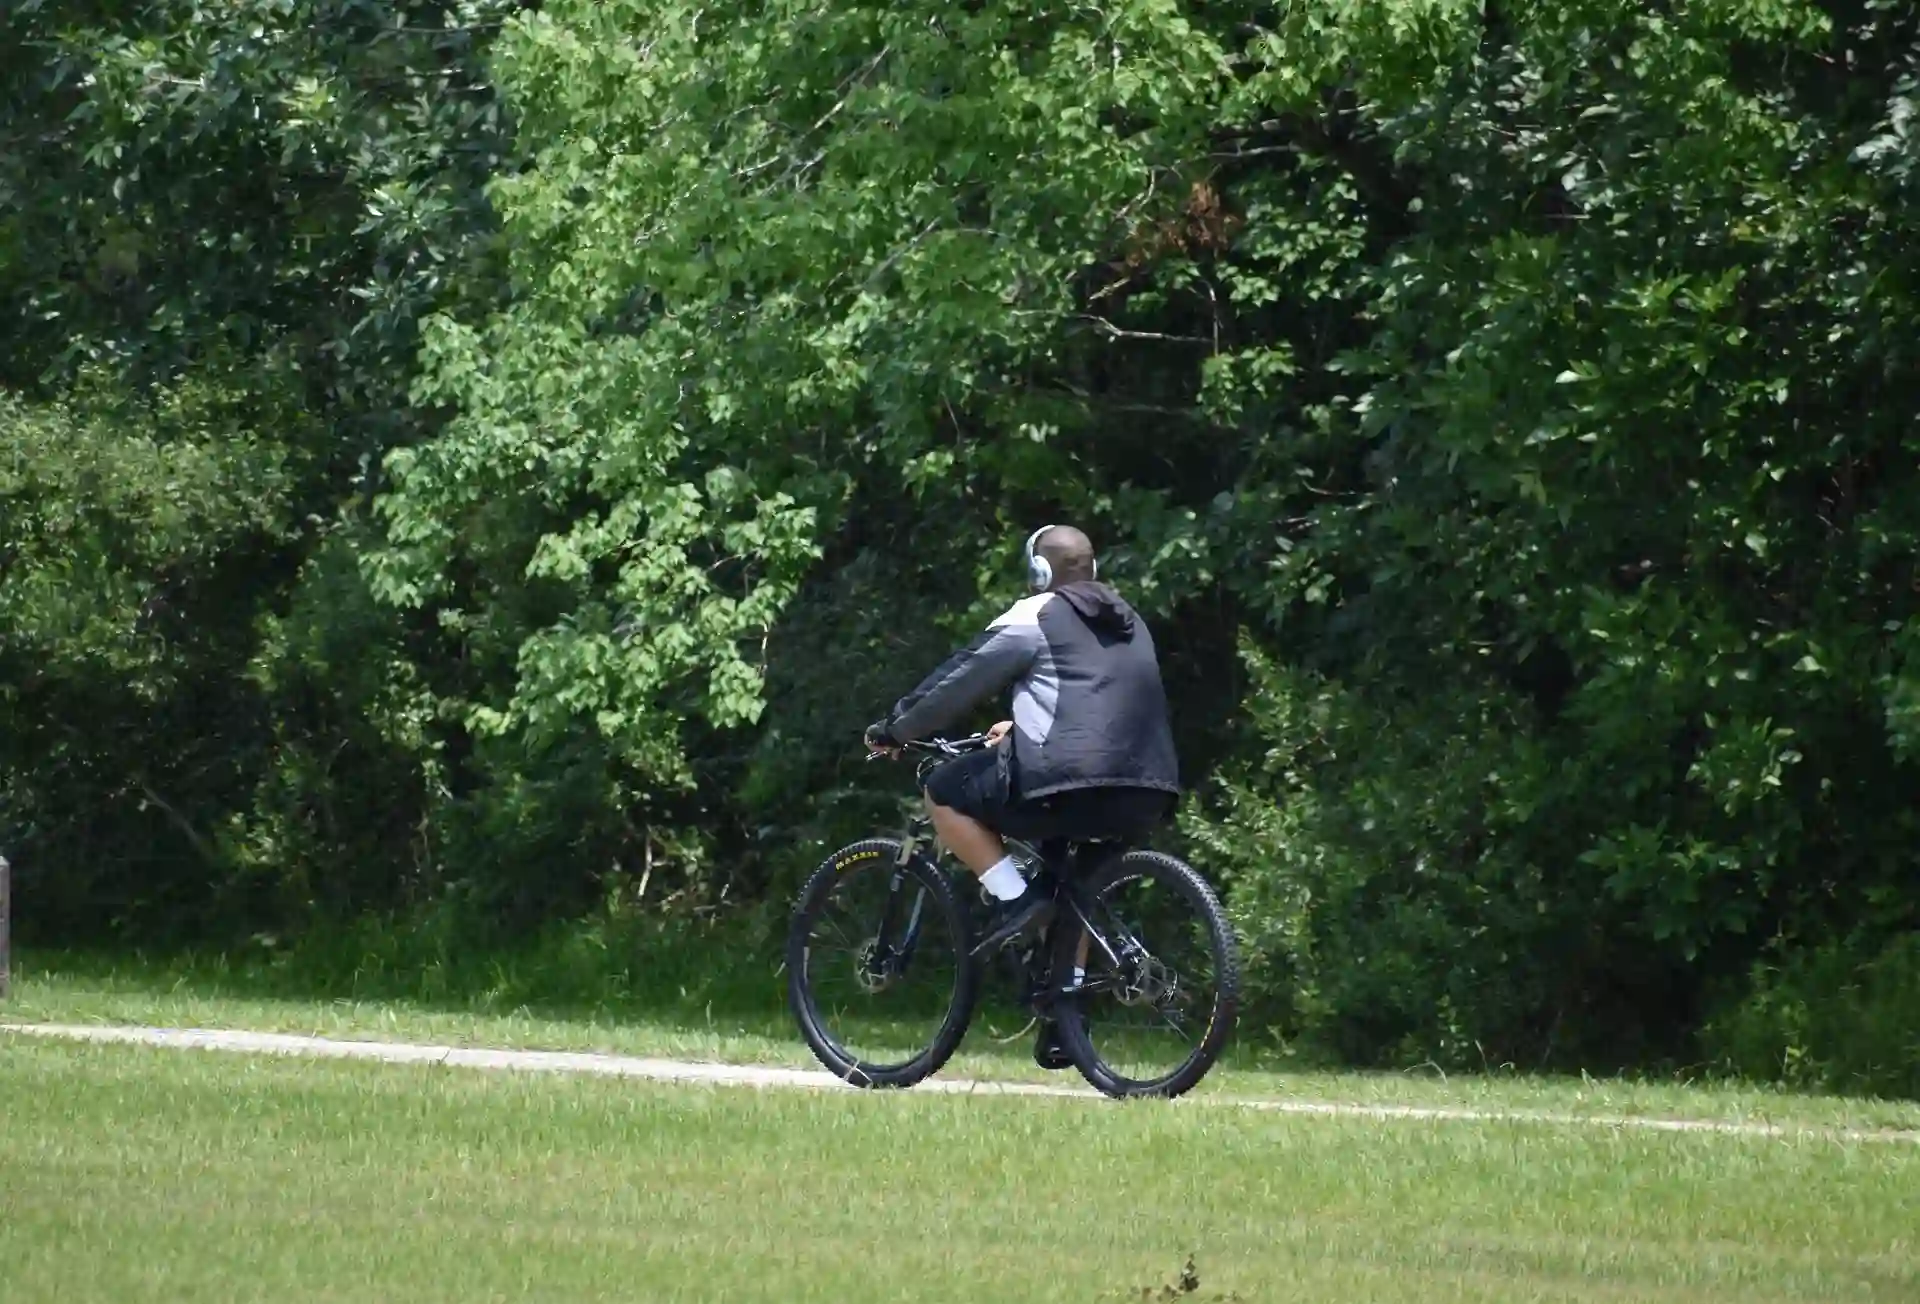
[(1151, 1017), (878, 975)]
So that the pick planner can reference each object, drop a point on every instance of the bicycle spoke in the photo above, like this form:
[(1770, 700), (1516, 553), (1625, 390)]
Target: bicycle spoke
[(837, 916), (1176, 1025), (847, 944)]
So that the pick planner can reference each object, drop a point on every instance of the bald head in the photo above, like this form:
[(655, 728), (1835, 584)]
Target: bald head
[(1068, 552)]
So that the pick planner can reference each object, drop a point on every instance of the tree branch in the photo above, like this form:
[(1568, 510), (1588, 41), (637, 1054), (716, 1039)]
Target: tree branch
[(1113, 332), (181, 822), (852, 84)]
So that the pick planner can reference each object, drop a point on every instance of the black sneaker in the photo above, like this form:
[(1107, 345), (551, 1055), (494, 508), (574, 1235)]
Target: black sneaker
[(1048, 1052), (1007, 920)]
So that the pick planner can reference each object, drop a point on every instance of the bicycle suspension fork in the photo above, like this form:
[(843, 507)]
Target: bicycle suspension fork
[(896, 884)]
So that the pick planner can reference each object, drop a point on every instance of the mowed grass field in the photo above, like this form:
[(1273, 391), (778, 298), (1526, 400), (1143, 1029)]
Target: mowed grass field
[(136, 1174), (996, 1049)]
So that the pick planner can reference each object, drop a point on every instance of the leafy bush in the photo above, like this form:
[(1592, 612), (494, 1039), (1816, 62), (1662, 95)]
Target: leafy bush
[(128, 525), (1844, 1016), (1398, 890)]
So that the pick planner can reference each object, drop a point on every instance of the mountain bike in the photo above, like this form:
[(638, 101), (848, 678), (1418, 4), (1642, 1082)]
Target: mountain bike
[(883, 976)]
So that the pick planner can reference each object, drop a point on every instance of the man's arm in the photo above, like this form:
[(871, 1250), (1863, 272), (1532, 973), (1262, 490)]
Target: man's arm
[(976, 672)]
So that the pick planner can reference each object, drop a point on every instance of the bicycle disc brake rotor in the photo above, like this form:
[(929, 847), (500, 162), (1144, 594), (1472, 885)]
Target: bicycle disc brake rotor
[(869, 971)]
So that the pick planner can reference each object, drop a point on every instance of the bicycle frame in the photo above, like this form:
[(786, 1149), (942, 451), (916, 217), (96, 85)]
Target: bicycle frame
[(1118, 951)]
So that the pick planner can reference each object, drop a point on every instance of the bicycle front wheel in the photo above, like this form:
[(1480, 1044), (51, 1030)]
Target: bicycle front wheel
[(878, 975), (1162, 985)]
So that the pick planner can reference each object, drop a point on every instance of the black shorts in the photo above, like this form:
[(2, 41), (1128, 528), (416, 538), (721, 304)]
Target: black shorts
[(978, 785)]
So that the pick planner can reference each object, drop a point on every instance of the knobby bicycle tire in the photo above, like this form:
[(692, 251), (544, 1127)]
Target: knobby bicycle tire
[(813, 898), (1071, 1016)]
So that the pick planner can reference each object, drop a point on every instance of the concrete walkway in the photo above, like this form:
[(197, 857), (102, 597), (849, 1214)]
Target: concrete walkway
[(748, 1075)]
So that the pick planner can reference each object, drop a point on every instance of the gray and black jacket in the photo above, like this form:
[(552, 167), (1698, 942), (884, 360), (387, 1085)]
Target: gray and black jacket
[(1089, 710)]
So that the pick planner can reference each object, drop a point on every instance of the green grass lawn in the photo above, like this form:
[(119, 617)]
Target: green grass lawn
[(133, 1174), (135, 994)]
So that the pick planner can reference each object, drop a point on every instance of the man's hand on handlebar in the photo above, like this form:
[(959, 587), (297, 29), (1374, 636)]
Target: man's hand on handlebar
[(997, 732), (880, 742)]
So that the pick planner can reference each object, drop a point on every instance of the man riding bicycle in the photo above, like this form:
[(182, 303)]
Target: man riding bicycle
[(1088, 754)]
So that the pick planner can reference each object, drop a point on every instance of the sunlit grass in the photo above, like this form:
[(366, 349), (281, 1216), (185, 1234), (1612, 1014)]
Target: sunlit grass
[(140, 1174), (153, 995)]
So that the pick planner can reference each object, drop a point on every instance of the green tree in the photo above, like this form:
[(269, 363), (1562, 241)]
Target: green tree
[(1499, 409), (1534, 379), (236, 212)]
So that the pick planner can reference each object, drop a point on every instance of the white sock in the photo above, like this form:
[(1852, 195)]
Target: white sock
[(1079, 975), (1004, 880)]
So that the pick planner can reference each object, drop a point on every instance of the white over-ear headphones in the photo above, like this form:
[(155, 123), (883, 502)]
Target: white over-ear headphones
[(1039, 569)]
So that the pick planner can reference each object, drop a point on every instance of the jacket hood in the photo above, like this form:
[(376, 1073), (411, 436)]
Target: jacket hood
[(1098, 605)]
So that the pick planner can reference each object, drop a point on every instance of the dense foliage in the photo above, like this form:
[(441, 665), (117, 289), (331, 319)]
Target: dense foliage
[(486, 461)]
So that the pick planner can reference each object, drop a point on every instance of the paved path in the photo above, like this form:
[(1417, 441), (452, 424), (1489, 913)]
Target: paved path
[(747, 1075)]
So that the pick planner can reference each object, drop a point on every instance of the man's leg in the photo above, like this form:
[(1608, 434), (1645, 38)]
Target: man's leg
[(963, 798), (978, 847)]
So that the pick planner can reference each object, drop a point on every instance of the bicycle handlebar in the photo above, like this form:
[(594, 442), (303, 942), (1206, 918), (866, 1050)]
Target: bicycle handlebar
[(953, 747), (941, 746)]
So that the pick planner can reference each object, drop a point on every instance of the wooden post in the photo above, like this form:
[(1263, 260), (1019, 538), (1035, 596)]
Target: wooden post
[(6, 918)]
